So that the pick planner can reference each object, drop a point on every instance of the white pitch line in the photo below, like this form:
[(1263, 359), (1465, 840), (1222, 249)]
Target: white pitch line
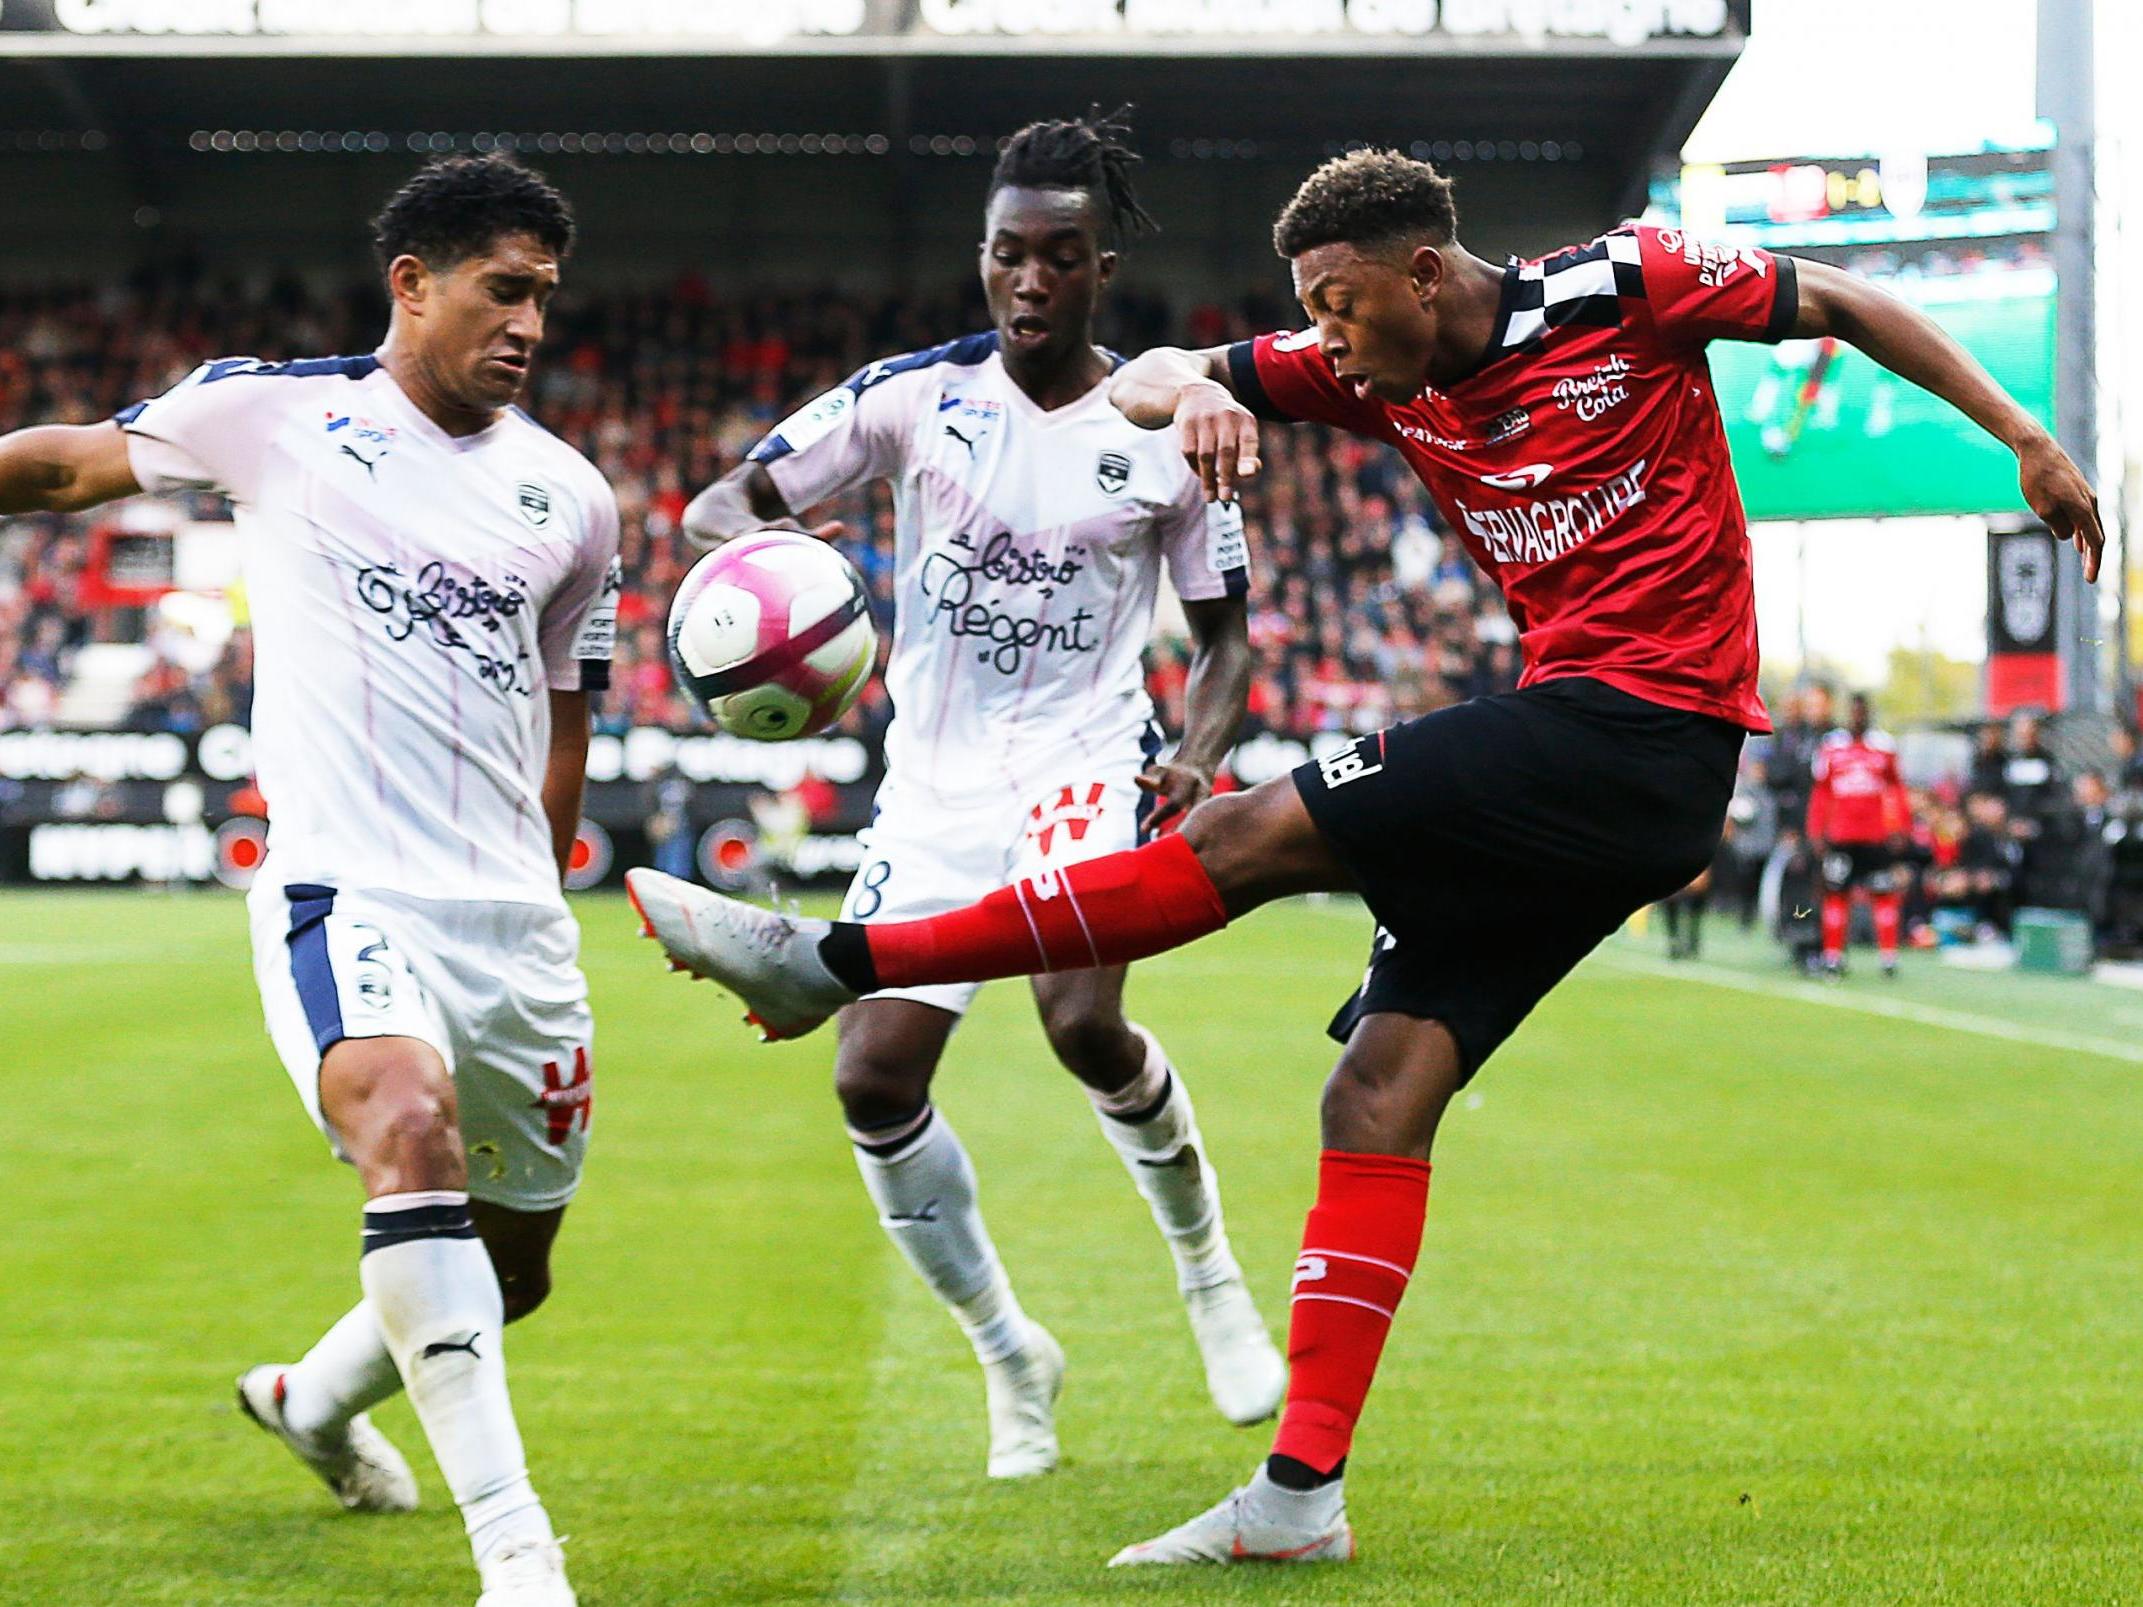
[(98, 954), (1828, 997)]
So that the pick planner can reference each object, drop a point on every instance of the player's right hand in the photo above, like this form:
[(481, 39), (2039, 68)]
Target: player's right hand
[(1219, 437), (2057, 492)]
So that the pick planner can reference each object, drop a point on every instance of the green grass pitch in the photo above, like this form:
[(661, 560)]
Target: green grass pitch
[(1730, 1295)]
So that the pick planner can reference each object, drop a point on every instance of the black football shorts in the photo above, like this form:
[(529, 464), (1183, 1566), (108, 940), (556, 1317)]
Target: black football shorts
[(1499, 840), (1849, 867)]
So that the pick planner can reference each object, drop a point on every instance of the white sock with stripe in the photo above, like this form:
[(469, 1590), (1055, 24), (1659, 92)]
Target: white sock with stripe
[(429, 1279), (1153, 1129), (919, 1176)]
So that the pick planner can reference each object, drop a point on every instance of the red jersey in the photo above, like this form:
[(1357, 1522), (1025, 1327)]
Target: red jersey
[(1583, 461), (1858, 796)]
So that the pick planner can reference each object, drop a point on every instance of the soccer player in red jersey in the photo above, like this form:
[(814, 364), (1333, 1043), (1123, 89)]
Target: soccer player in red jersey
[(1858, 821), (1562, 413)]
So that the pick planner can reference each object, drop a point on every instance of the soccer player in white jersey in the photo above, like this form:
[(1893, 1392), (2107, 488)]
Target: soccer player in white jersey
[(433, 586), (1032, 524)]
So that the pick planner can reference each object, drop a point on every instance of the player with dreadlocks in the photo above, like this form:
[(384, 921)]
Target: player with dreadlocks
[(1032, 523)]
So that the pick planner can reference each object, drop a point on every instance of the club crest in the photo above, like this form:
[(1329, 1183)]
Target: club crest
[(1112, 472), (535, 503)]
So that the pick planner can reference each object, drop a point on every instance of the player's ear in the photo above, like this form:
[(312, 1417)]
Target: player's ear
[(409, 282), (1426, 269), (1105, 267)]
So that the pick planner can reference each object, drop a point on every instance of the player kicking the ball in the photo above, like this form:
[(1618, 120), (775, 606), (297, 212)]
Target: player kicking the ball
[(1032, 523), (433, 588), (1562, 413)]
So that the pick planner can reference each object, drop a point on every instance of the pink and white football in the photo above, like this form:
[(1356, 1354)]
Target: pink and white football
[(771, 634)]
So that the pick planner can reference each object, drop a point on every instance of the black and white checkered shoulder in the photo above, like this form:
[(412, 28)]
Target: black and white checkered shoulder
[(1586, 284)]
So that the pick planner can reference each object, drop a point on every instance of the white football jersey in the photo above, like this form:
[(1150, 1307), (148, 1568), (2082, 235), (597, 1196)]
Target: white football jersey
[(414, 597), (1028, 555)]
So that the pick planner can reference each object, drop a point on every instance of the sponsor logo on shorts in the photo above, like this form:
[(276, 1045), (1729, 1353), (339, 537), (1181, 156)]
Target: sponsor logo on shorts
[(566, 1102), (375, 978), (1072, 811), (1352, 763)]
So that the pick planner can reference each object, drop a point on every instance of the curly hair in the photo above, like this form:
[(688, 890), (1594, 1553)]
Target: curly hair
[(1091, 153), (1367, 198), (453, 208)]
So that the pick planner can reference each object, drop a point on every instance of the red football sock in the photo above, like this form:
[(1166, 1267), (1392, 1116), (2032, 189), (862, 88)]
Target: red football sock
[(1836, 908), (1106, 911), (1889, 913), (1358, 1252)]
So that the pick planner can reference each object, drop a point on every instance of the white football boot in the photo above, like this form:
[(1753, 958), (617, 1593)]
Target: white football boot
[(360, 1465), (767, 959), (1244, 1372), (1022, 1390), (1258, 1523), (527, 1573)]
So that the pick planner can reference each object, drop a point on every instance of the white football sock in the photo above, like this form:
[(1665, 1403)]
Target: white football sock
[(919, 1177), (429, 1279), (1151, 1125), (346, 1372)]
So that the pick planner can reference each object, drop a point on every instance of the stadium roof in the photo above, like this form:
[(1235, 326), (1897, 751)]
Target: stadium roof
[(1617, 110)]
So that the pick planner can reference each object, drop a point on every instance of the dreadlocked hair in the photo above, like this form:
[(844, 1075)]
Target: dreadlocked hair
[(1091, 153)]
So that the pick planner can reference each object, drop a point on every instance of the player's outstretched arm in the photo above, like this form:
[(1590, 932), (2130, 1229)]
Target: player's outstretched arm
[(1192, 391), (1913, 346), (745, 499), (64, 468)]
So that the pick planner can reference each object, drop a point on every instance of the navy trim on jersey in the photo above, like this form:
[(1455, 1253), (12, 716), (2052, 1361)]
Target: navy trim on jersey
[(1785, 301), (310, 967), (965, 352), (1236, 581), (1249, 389), (297, 368), (595, 675), (1149, 749)]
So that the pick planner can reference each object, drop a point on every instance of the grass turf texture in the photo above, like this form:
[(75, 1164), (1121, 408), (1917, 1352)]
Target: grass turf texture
[(1727, 1297)]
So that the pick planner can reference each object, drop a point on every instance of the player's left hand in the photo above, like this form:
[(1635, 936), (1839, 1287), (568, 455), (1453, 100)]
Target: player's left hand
[(1176, 789), (2055, 489)]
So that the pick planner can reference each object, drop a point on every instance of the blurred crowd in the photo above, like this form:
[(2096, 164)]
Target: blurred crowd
[(1363, 608), (2019, 823)]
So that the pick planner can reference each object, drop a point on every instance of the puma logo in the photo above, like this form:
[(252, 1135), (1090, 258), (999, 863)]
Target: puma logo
[(446, 1347), (949, 430), (371, 464), (926, 1212)]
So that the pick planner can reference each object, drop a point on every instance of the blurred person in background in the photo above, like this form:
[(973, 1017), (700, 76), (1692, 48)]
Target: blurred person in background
[(1859, 822)]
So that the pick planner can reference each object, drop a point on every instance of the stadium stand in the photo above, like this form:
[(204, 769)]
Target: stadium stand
[(1365, 609)]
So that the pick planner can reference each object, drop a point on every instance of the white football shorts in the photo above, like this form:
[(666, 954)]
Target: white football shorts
[(495, 987), (921, 858)]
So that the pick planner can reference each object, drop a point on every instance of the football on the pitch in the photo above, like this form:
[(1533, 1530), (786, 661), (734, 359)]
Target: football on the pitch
[(771, 634)]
